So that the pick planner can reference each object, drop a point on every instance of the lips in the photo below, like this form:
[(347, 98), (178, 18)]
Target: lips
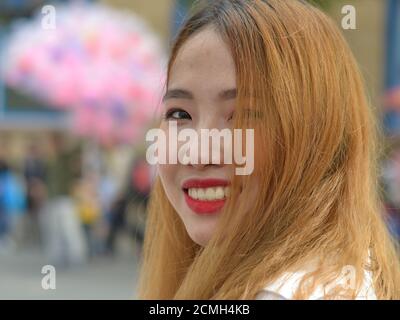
[(204, 183), (208, 204)]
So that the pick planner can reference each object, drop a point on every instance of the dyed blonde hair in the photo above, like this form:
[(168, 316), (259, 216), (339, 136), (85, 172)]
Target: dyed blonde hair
[(316, 161)]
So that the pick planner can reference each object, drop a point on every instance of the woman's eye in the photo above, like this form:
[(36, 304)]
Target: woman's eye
[(231, 116), (177, 114)]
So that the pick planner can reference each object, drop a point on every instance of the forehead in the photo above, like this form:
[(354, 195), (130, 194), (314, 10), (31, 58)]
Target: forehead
[(203, 62)]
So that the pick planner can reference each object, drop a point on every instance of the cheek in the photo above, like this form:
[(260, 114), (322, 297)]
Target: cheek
[(168, 174), (171, 143)]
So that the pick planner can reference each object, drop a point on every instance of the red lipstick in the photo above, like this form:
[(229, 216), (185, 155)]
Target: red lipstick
[(204, 206)]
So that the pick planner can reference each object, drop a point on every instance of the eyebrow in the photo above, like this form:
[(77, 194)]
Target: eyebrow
[(228, 94), (185, 94), (178, 94)]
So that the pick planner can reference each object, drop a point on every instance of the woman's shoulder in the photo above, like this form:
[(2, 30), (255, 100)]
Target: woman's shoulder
[(286, 285)]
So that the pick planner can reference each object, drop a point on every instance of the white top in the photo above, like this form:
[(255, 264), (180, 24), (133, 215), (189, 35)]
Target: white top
[(285, 287)]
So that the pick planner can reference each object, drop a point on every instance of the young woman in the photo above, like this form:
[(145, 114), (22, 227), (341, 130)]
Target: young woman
[(307, 222)]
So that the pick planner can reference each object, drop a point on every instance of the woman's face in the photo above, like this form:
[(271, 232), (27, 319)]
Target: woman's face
[(201, 95)]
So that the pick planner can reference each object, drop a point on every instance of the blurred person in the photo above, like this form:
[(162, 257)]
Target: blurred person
[(141, 180), (108, 191), (128, 210), (311, 208), (4, 218), (88, 206), (64, 240), (35, 179), (12, 205), (116, 221)]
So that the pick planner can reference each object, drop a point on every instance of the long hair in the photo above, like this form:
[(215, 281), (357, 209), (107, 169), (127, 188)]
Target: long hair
[(316, 161)]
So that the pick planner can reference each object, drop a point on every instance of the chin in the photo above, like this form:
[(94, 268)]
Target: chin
[(199, 239), (200, 228), (201, 236)]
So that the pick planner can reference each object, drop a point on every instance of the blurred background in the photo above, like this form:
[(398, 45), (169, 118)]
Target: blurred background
[(80, 83)]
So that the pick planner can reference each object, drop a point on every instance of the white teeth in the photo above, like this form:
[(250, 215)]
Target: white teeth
[(209, 194), (219, 193), (193, 193), (201, 194), (227, 191)]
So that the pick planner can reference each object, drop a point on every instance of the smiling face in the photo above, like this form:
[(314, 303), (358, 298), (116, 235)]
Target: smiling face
[(201, 95)]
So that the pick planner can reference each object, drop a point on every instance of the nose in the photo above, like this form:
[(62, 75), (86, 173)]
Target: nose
[(205, 159), (213, 140)]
